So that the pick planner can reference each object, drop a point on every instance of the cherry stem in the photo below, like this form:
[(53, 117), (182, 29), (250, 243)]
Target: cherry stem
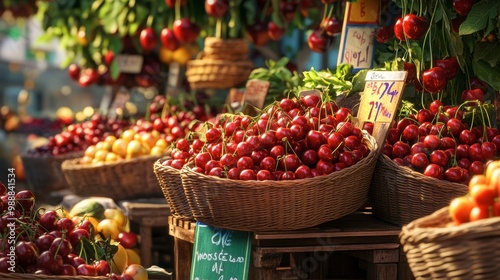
[(218, 28), (178, 14)]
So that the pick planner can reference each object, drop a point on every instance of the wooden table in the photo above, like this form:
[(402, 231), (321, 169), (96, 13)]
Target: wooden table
[(311, 253), (147, 215)]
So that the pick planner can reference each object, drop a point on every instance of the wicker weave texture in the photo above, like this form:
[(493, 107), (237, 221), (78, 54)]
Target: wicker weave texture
[(120, 180), (468, 251), (26, 276), (44, 173), (225, 49), (278, 205), (170, 182), (400, 195)]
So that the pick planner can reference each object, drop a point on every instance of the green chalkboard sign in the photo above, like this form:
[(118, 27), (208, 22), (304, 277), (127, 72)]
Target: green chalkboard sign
[(220, 254)]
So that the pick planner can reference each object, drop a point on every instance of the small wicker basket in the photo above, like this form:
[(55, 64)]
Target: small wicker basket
[(170, 182), (437, 251), (400, 195), (223, 63), (279, 205), (44, 174), (126, 179)]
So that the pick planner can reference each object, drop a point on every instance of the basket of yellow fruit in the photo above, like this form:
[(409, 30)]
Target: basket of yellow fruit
[(119, 168), (459, 241)]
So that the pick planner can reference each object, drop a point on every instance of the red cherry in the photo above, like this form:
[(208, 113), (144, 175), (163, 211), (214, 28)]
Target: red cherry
[(414, 27), (216, 8), (332, 26), (384, 33), (398, 30), (274, 31), (185, 30), (257, 34), (463, 7), (74, 71), (147, 39), (434, 79), (450, 66), (318, 41), (168, 39)]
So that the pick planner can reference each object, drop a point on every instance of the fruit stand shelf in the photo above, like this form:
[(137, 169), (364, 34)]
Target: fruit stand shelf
[(370, 244)]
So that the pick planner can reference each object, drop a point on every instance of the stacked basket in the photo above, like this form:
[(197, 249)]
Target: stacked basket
[(224, 63), (279, 205), (400, 195), (437, 251), (125, 179), (44, 173)]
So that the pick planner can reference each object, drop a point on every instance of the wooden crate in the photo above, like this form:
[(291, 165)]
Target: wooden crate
[(357, 246)]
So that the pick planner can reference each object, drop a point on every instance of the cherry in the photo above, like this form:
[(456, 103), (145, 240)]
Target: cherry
[(26, 253), (332, 26), (434, 170), (434, 79), (168, 39), (86, 270), (318, 41), (88, 77), (147, 39), (26, 200), (185, 30), (414, 27), (171, 3), (74, 71), (472, 95), (48, 220), (257, 34), (287, 10), (52, 263), (248, 174), (450, 66), (274, 31), (303, 172), (463, 7), (216, 8), (454, 174), (384, 33), (264, 174), (398, 30)]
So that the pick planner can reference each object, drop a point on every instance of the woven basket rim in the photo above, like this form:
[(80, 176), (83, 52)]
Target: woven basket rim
[(415, 228), (408, 172), (26, 155), (205, 62), (287, 184), (73, 164)]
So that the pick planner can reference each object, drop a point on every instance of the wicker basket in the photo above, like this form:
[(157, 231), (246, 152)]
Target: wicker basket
[(279, 205), (170, 182), (209, 73), (44, 174), (127, 179), (26, 276), (400, 195), (225, 49), (468, 251)]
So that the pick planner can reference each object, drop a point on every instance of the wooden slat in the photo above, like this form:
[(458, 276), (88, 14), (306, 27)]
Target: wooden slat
[(325, 248), (377, 256)]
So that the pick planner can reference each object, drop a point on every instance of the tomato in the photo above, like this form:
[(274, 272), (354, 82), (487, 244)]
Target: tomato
[(460, 209), (479, 213), (482, 195)]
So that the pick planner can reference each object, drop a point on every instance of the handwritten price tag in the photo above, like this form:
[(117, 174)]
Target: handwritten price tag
[(381, 97), (129, 63)]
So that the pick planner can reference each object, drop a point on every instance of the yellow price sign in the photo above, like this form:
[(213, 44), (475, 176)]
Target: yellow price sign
[(382, 95)]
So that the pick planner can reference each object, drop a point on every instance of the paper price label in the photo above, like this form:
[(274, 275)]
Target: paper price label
[(382, 95), (129, 63)]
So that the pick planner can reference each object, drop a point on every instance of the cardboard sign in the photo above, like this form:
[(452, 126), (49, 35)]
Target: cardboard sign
[(255, 93), (129, 63), (220, 254), (234, 101), (380, 100), (357, 41), (310, 92)]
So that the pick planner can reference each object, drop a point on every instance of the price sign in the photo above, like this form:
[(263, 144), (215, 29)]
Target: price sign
[(380, 99), (220, 254), (129, 63), (255, 96), (357, 41)]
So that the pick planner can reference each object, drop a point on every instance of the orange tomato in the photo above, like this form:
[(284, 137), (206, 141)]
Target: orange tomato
[(477, 179), (482, 195), (479, 213), (495, 180), (460, 209)]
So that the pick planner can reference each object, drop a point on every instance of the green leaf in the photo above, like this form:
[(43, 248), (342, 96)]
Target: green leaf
[(487, 73), (114, 70), (488, 52), (478, 17), (67, 61), (141, 14)]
